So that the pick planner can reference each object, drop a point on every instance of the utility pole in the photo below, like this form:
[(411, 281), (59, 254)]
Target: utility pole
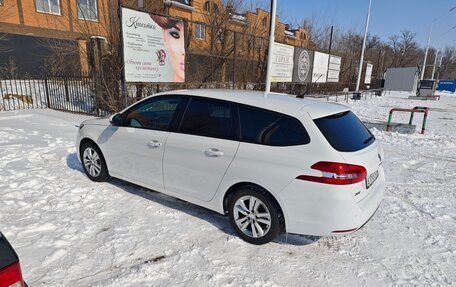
[(429, 41), (271, 45), (329, 51), (435, 63), (330, 39), (357, 94), (440, 66), (426, 53)]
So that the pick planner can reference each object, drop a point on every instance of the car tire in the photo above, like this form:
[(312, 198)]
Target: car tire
[(93, 162), (254, 216)]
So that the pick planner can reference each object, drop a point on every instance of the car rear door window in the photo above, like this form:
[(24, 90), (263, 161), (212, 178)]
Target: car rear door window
[(210, 118), (345, 132), (155, 113), (265, 127)]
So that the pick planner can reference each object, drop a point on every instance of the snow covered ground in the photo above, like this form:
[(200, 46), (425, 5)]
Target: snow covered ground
[(69, 231)]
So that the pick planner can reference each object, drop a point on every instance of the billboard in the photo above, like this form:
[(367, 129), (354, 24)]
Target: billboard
[(334, 69), (303, 65), (320, 67), (368, 75), (154, 49), (282, 63), (402, 79)]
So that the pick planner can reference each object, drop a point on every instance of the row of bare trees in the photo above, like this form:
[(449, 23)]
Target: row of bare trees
[(399, 50)]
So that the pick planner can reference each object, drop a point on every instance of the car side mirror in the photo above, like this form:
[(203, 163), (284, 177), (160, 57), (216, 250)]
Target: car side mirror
[(116, 119)]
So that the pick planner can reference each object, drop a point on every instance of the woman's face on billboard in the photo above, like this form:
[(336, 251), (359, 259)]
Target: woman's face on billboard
[(174, 41)]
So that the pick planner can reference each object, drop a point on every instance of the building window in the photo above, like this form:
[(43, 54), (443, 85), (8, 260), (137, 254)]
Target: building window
[(1, 2), (265, 22), (87, 10), (185, 2), (207, 6), (215, 9), (303, 36), (48, 6), (200, 31), (140, 4)]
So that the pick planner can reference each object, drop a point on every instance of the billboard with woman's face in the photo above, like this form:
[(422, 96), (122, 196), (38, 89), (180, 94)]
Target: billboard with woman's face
[(154, 49)]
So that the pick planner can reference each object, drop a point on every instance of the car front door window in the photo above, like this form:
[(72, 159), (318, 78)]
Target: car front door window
[(155, 113)]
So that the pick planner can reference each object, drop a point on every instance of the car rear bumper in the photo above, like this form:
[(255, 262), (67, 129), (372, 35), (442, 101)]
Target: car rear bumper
[(321, 209)]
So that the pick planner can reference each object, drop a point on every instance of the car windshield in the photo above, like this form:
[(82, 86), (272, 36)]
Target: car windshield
[(345, 132)]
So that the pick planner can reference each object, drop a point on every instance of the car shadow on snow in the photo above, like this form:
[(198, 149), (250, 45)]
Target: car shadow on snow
[(73, 162), (212, 217)]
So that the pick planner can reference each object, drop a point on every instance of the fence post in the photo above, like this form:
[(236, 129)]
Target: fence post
[(46, 86), (65, 84)]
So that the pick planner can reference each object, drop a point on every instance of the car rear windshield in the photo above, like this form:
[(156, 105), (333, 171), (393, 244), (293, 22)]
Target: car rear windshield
[(345, 132)]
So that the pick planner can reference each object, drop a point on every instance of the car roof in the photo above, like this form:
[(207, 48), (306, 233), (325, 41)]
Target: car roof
[(279, 102)]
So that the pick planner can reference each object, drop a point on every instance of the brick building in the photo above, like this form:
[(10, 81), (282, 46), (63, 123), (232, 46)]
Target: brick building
[(28, 26)]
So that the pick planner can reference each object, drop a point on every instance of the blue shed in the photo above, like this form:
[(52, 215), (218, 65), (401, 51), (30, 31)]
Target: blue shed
[(447, 85)]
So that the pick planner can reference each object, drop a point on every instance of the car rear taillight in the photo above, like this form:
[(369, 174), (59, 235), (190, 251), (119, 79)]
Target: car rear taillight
[(11, 276), (336, 173)]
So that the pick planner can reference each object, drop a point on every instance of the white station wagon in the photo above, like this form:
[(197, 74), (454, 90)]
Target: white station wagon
[(275, 164)]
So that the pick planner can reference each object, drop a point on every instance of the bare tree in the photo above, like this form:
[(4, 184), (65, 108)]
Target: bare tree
[(9, 68), (404, 49), (448, 68), (319, 30), (226, 46), (348, 45)]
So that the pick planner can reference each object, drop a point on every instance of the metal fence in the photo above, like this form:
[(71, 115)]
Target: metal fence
[(22, 93), (71, 93), (82, 94)]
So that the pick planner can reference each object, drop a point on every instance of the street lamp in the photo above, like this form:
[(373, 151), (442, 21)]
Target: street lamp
[(426, 53), (429, 41), (357, 94), (435, 63)]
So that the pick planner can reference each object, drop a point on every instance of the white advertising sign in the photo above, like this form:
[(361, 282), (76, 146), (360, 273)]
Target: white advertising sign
[(333, 66), (368, 76), (282, 63), (334, 69), (320, 68), (333, 76), (335, 60), (154, 49)]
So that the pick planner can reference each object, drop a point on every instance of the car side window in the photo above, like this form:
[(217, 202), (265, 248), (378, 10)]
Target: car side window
[(265, 127), (155, 113), (210, 118)]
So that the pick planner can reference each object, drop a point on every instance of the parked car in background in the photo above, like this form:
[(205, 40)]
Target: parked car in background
[(271, 164), (10, 269)]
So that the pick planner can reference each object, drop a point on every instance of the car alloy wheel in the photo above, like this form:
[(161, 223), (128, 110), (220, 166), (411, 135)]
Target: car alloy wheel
[(255, 215), (252, 216), (92, 162)]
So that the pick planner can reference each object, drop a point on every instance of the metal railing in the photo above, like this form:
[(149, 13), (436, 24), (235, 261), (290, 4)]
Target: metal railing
[(64, 92), (424, 110), (83, 94)]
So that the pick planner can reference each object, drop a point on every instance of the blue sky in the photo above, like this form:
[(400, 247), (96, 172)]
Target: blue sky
[(388, 17)]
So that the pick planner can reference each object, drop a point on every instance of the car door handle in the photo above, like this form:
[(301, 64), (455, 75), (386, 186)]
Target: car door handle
[(154, 143), (213, 152)]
